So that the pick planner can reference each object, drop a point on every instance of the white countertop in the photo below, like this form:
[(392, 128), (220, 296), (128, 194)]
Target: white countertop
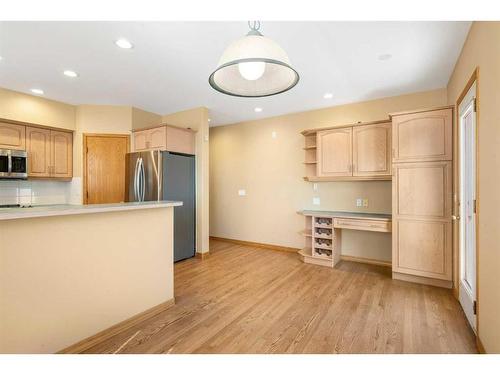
[(69, 209)]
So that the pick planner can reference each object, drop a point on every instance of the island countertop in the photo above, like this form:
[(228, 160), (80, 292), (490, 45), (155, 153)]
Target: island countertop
[(69, 209)]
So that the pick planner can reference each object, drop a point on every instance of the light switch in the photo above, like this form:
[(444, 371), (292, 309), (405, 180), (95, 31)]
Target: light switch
[(274, 135), (316, 201), (359, 202), (315, 187), (242, 192), (365, 202)]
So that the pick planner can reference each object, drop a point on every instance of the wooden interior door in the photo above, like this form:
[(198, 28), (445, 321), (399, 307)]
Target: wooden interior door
[(422, 207), (12, 136), (423, 136), (104, 163), (61, 154), (38, 147), (334, 152), (372, 150)]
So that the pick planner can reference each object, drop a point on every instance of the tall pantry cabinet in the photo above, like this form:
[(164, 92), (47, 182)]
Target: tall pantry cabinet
[(422, 196)]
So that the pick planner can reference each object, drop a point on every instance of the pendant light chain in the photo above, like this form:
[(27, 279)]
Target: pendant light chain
[(254, 25)]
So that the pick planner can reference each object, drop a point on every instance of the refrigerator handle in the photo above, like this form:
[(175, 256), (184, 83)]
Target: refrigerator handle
[(142, 181), (136, 179)]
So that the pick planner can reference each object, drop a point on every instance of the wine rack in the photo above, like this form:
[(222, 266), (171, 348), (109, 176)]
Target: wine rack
[(322, 241)]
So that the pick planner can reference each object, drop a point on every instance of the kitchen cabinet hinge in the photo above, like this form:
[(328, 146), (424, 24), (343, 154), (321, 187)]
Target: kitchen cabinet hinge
[(475, 105), (474, 307), (475, 206)]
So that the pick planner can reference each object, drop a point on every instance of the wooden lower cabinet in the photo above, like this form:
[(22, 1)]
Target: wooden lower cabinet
[(422, 248), (422, 208), (50, 153)]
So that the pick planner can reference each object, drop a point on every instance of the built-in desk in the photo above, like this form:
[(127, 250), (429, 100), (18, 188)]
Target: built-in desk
[(323, 232)]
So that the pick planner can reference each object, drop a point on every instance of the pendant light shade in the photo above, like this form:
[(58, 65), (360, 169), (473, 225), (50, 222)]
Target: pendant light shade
[(254, 66)]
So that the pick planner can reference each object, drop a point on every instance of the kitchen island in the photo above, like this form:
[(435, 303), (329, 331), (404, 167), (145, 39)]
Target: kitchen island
[(69, 272)]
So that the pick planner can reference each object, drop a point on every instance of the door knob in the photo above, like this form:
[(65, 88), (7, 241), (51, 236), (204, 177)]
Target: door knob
[(454, 217)]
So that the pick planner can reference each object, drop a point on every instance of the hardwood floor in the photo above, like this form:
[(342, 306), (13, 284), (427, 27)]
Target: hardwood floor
[(243, 299)]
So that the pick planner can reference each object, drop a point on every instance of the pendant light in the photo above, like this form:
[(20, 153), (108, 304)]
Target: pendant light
[(253, 66)]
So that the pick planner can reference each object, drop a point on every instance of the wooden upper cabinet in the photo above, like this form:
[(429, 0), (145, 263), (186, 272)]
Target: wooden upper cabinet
[(372, 150), (180, 140), (155, 138), (38, 147), (61, 154), (140, 140), (422, 136), (12, 136), (168, 138), (158, 138), (50, 153), (334, 151)]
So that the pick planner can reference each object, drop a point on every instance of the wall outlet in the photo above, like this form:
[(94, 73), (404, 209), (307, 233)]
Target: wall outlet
[(365, 202), (316, 201), (242, 192), (359, 202), (315, 187), (274, 134)]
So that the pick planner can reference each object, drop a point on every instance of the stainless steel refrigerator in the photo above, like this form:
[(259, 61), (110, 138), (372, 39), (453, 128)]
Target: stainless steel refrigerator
[(162, 175)]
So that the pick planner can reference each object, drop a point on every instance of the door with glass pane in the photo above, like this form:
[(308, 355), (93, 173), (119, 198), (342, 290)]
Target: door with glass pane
[(467, 124)]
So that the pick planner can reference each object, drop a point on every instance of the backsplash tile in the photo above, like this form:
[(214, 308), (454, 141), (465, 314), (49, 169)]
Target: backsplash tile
[(35, 192)]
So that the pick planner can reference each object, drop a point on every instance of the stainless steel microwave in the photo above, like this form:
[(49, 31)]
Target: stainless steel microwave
[(13, 164)]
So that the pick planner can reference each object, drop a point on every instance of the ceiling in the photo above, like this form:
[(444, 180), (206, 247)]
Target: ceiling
[(168, 68)]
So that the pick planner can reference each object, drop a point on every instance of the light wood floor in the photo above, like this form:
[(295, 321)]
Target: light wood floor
[(248, 300)]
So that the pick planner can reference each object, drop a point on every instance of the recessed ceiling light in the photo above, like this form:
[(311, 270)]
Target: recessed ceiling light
[(1, 57), (70, 73), (37, 91), (385, 56), (124, 43), (328, 95), (258, 109)]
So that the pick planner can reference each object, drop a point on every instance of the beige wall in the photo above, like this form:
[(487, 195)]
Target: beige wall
[(144, 119), (246, 156), (29, 108), (53, 295), (482, 49), (98, 119), (197, 119)]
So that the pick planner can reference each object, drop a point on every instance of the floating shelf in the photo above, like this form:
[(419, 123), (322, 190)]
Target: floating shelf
[(310, 148), (306, 233), (310, 162)]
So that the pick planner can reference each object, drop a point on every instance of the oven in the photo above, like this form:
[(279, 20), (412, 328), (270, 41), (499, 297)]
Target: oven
[(13, 164)]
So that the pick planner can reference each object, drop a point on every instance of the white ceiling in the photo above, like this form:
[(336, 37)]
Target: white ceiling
[(168, 69)]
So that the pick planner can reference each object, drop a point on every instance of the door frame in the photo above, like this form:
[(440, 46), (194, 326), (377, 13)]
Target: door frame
[(84, 158), (456, 192)]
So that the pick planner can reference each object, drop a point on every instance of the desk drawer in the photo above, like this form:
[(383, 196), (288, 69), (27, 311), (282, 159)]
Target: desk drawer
[(362, 224)]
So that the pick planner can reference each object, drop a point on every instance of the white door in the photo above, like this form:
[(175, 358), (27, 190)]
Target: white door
[(467, 124)]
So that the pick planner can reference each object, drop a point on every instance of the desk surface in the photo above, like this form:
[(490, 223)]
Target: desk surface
[(350, 215)]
